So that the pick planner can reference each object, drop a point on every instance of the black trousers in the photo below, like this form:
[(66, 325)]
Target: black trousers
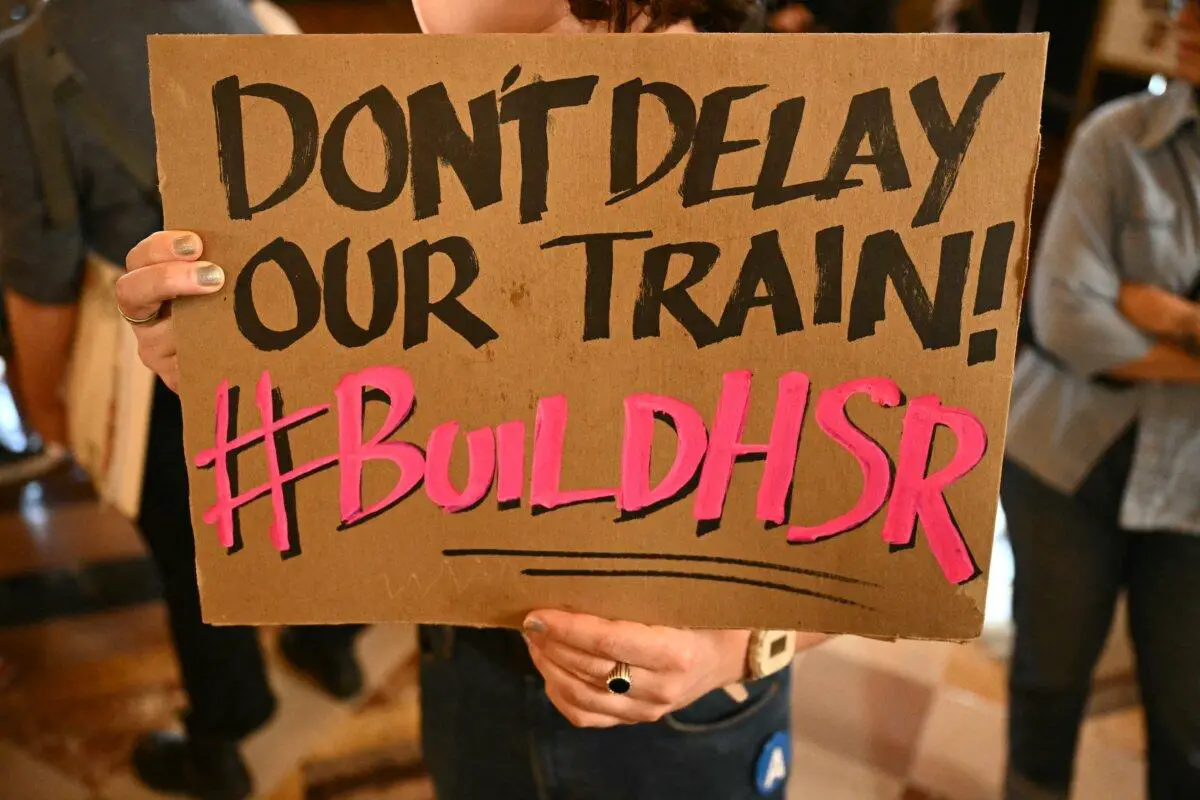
[(221, 667), (1072, 562)]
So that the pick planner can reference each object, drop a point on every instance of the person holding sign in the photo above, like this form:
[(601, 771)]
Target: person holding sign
[(1102, 483), (579, 705)]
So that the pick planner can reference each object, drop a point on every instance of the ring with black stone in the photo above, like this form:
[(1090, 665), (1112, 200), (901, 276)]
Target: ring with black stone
[(620, 680)]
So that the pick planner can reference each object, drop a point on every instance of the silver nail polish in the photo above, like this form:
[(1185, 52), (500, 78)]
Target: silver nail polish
[(210, 275), (185, 246)]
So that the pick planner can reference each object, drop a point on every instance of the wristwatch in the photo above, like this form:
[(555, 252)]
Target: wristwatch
[(769, 652)]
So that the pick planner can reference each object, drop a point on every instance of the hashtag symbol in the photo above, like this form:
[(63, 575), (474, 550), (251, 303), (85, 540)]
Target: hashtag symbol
[(272, 435)]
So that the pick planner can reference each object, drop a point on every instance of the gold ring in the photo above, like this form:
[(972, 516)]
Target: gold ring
[(620, 680), (144, 320)]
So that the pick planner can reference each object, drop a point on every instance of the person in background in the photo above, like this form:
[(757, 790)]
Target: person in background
[(33, 457), (49, 220), (1101, 484), (582, 707), (790, 17), (832, 16)]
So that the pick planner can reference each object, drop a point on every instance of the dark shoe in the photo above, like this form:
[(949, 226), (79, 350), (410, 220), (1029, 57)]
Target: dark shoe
[(334, 669), (17, 467), (207, 769)]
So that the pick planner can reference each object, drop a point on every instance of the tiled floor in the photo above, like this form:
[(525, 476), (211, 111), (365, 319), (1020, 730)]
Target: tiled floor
[(873, 720)]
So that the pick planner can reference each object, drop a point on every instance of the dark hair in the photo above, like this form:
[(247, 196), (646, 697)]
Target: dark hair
[(709, 15)]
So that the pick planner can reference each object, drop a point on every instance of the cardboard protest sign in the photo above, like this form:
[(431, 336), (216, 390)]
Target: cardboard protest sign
[(691, 330)]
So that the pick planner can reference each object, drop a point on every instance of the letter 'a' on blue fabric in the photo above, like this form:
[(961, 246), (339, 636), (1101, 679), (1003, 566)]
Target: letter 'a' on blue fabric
[(774, 762)]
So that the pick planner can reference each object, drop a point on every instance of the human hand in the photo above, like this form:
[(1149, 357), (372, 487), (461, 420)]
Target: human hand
[(159, 269), (1160, 313), (670, 668)]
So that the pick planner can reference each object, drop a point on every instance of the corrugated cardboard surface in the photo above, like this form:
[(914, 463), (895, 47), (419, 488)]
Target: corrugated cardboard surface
[(393, 567)]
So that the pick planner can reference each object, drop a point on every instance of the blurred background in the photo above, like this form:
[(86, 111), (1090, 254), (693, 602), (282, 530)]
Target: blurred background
[(86, 664)]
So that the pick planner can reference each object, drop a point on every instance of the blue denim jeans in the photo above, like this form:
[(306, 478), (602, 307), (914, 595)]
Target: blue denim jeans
[(1072, 562), (490, 733)]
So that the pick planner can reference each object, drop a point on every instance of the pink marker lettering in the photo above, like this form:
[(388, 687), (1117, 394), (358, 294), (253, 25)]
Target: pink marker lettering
[(266, 411), (510, 472), (481, 467), (549, 437), (918, 496), (780, 469), (872, 459), (222, 512), (725, 446), (398, 386), (692, 437)]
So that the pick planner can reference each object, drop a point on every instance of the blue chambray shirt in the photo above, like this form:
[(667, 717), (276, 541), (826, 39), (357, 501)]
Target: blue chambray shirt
[(1128, 210)]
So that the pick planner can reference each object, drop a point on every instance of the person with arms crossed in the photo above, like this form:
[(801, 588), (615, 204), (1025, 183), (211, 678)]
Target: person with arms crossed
[(1101, 484)]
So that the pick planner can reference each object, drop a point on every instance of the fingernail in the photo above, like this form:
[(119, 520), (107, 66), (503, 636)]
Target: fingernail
[(534, 625), (210, 275), (187, 245)]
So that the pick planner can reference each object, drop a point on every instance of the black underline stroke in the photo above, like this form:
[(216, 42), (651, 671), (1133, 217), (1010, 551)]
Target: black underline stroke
[(735, 562), (692, 576)]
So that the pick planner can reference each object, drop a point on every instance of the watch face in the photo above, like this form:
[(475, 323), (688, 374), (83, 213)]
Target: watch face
[(774, 651)]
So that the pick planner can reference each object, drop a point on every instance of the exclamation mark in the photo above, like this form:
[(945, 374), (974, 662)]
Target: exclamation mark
[(981, 347)]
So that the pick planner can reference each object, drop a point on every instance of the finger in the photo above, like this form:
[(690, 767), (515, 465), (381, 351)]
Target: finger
[(158, 356), (586, 696), (647, 686), (588, 666), (157, 340), (807, 641), (578, 717), (166, 369), (590, 699), (158, 248), (170, 376), (653, 648), (163, 365), (143, 291), (158, 349)]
